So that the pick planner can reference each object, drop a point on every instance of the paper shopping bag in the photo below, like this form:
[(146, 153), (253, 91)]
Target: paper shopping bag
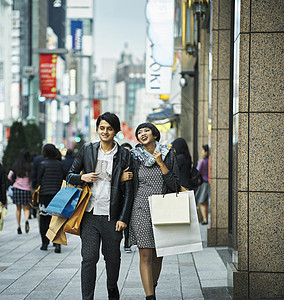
[(73, 223), (55, 231), (64, 202), (3, 213), (178, 238), (170, 208)]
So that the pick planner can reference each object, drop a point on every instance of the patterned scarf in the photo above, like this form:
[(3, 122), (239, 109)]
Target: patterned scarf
[(143, 156)]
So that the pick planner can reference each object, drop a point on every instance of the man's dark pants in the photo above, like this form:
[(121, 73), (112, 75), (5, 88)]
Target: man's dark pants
[(94, 229)]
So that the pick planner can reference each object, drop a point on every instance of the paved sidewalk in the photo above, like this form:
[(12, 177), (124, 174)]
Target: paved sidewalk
[(26, 272)]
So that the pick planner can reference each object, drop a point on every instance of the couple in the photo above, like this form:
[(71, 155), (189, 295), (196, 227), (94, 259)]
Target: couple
[(115, 204)]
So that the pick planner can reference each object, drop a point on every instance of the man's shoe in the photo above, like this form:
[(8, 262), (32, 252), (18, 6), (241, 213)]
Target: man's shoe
[(43, 247), (113, 293), (57, 248)]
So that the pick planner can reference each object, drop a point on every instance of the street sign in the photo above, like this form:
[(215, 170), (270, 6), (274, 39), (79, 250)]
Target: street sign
[(28, 71)]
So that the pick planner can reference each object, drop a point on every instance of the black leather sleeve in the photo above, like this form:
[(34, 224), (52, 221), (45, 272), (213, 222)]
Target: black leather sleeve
[(172, 177), (127, 191), (73, 175)]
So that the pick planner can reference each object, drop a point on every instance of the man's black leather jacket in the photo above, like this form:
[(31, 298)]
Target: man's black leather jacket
[(121, 196)]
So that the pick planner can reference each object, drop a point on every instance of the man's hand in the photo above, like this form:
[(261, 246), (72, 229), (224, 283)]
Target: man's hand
[(120, 226), (126, 175), (90, 177)]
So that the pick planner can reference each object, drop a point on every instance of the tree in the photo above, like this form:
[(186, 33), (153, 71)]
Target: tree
[(17, 141), (33, 137)]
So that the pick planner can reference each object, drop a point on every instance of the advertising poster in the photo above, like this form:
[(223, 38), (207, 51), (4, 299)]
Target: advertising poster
[(47, 74)]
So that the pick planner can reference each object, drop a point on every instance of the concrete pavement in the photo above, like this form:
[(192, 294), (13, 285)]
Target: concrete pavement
[(26, 272)]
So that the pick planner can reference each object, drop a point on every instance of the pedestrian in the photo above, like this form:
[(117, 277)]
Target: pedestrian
[(155, 172), (20, 175), (50, 176), (108, 210), (124, 178), (3, 177), (68, 161), (202, 192)]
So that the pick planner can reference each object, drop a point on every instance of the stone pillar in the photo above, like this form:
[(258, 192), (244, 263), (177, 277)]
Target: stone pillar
[(217, 234), (203, 61), (258, 152)]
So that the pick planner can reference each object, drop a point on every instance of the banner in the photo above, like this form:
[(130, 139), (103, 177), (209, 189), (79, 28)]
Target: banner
[(47, 74), (96, 108), (158, 78), (77, 33)]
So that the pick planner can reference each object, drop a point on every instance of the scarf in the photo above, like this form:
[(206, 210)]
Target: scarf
[(143, 156)]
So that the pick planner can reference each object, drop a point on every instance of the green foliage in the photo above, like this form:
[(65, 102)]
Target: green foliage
[(17, 141), (33, 137)]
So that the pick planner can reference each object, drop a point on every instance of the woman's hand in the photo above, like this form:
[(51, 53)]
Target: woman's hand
[(120, 226), (126, 175), (158, 157), (90, 177)]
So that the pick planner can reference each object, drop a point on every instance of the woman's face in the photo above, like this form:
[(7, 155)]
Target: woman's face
[(145, 136)]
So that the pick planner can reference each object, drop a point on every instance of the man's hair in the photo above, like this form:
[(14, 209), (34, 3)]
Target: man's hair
[(154, 129), (112, 119), (126, 145), (49, 151)]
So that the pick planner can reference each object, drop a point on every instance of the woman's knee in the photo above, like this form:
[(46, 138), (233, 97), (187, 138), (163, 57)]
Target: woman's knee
[(146, 256)]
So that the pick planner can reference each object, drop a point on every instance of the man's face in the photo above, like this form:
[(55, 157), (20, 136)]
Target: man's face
[(105, 132)]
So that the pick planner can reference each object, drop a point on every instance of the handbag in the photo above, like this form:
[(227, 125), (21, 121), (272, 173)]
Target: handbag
[(64, 202), (34, 202), (73, 223), (170, 209)]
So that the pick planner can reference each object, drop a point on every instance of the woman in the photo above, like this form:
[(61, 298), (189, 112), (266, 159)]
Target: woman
[(50, 176), (155, 172), (20, 175), (203, 190)]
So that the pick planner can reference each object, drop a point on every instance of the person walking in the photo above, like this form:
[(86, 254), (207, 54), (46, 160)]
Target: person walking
[(108, 210), (3, 178), (68, 161), (49, 177), (155, 172), (202, 192), (20, 175)]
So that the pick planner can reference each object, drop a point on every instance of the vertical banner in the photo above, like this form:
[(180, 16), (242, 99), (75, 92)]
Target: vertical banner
[(47, 74), (158, 78), (96, 108), (77, 34)]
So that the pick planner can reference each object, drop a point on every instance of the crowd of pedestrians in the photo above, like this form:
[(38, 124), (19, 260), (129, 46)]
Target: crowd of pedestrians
[(121, 179)]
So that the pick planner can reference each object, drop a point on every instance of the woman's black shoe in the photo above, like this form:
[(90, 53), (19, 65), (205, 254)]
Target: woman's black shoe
[(151, 297), (27, 226), (19, 230), (57, 248), (204, 223)]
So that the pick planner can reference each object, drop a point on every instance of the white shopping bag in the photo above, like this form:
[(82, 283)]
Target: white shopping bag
[(178, 238)]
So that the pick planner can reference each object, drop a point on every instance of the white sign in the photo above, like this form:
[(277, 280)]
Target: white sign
[(160, 17), (158, 78)]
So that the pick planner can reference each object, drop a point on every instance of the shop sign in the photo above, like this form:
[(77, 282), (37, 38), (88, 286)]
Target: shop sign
[(77, 33), (158, 78), (96, 108), (47, 74), (160, 30)]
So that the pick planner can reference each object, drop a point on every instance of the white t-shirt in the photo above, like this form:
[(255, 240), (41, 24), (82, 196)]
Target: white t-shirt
[(100, 198)]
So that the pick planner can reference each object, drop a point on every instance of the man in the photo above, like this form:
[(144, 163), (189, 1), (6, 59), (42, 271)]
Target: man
[(108, 210)]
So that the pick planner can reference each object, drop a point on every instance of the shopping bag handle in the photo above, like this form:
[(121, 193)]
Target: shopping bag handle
[(166, 189)]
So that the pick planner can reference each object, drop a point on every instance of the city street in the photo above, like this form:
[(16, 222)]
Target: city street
[(26, 272)]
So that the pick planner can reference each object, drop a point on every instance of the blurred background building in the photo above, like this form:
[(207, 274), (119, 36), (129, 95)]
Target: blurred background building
[(212, 74)]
